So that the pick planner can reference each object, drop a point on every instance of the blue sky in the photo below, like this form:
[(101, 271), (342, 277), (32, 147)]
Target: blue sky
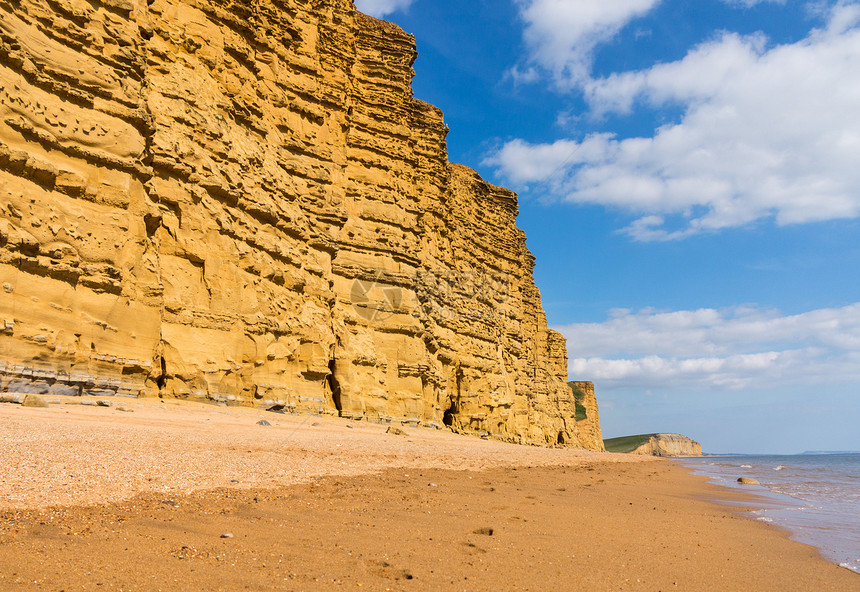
[(689, 181)]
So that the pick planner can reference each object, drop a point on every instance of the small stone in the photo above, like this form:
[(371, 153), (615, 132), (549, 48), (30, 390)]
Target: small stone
[(486, 531), (396, 431), (264, 423), (227, 535), (349, 426), (103, 403), (748, 481)]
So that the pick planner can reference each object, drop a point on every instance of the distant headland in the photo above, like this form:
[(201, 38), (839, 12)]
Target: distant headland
[(655, 445)]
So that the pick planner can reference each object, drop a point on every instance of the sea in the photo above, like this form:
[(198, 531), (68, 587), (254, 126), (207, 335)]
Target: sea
[(814, 496)]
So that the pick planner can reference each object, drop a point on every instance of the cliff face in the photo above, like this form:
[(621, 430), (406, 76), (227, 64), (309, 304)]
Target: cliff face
[(587, 416), (242, 202)]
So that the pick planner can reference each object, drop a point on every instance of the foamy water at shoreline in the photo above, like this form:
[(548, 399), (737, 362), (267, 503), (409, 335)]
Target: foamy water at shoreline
[(816, 497)]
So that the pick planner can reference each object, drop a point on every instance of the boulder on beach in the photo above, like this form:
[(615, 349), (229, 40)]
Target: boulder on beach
[(747, 481)]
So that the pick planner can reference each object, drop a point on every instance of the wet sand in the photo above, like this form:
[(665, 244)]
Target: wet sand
[(323, 507)]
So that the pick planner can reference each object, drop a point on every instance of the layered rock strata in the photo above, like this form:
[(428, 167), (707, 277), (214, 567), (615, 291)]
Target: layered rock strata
[(243, 202)]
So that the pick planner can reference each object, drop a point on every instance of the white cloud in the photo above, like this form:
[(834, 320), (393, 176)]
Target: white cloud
[(562, 34), (741, 347), (765, 133), (750, 3), (380, 8)]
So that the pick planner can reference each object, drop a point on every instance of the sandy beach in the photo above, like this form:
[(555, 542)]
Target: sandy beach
[(167, 496)]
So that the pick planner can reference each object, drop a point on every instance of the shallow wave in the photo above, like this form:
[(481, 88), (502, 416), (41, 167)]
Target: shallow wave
[(817, 498)]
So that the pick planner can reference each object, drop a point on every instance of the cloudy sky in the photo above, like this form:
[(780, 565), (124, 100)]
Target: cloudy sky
[(689, 180)]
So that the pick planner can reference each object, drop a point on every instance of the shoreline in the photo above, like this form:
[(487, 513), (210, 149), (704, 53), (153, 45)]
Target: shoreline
[(447, 513), (814, 499)]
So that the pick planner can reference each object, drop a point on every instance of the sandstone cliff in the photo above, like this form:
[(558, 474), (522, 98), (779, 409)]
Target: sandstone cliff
[(655, 445), (587, 416), (241, 201)]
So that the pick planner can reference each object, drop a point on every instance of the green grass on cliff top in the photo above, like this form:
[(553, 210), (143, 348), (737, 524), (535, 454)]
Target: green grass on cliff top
[(579, 399), (626, 443)]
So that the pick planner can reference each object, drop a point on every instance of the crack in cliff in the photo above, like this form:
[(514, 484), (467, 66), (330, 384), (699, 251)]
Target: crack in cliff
[(334, 386), (450, 414), (153, 218), (161, 379)]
